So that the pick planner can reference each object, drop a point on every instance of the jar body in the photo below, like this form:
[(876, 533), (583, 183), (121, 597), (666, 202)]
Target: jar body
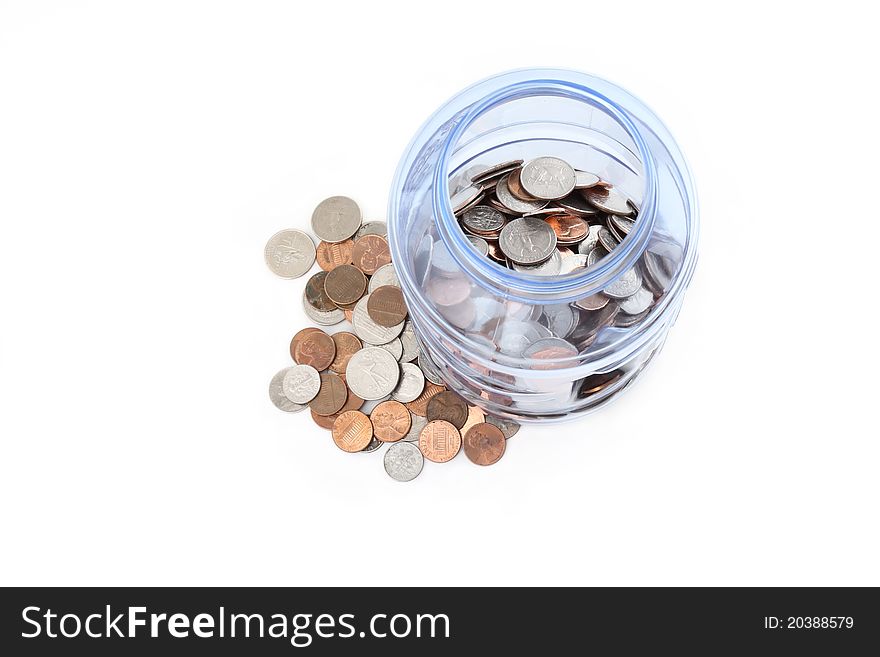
[(473, 317)]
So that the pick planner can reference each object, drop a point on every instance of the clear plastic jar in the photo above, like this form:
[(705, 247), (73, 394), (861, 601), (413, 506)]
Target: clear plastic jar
[(474, 327)]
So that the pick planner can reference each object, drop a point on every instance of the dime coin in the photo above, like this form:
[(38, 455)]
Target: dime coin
[(513, 204), (482, 219), (345, 284), (290, 253), (409, 343), (279, 399), (314, 348), (560, 319), (375, 444), (447, 406), (403, 461), (419, 406), (370, 252), (439, 441), (391, 421), (336, 219), (368, 330), (331, 396), (547, 178), (608, 200), (386, 306), (596, 255), (352, 431), (372, 373), (508, 427), (330, 255), (372, 228), (385, 275), (527, 241), (584, 179), (346, 346), (625, 286), (637, 303), (301, 383), (316, 296), (484, 444), (412, 382), (417, 424)]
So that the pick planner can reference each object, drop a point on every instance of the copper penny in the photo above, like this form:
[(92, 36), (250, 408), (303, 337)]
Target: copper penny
[(568, 228), (345, 284), (496, 253), (439, 441), (484, 444), (370, 252), (294, 343), (314, 348), (391, 421), (448, 406), (352, 403), (385, 306), (419, 405), (598, 382), (475, 416), (346, 346), (516, 188), (316, 296), (330, 255), (592, 302), (331, 395), (352, 431)]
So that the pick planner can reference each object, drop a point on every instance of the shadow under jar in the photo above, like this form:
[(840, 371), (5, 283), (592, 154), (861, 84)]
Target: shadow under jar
[(478, 320)]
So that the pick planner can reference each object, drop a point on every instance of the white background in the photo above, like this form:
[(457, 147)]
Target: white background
[(148, 150)]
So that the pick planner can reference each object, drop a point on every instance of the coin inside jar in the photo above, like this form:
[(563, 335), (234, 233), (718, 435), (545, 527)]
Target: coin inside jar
[(391, 421), (345, 284), (484, 444), (313, 347), (370, 252), (386, 306), (352, 431)]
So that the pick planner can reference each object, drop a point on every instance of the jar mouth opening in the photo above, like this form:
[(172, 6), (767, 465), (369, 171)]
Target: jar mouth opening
[(523, 286)]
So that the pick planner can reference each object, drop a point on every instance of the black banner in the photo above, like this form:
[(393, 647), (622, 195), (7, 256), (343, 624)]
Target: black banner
[(398, 621)]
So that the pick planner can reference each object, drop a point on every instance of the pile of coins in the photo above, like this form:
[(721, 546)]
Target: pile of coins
[(369, 385), (545, 218)]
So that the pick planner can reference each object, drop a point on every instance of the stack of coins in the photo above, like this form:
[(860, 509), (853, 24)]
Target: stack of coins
[(545, 218), (366, 381)]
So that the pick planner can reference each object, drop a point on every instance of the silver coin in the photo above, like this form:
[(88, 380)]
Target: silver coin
[(548, 178), (385, 275), (479, 244), (442, 262), (372, 228), (403, 461), (607, 239), (328, 318), (584, 179), (560, 319), (415, 428), (550, 267), (301, 383), (430, 369), (557, 345), (482, 218), (276, 394), (622, 224), (409, 342), (508, 427), (374, 444), (527, 241), (512, 203), (658, 271), (336, 219), (395, 348), (577, 204), (513, 337), (422, 259), (496, 171), (591, 241), (368, 330), (625, 286), (614, 231), (473, 171), (596, 255), (608, 200), (465, 198), (569, 265), (412, 382), (372, 373), (290, 253), (637, 303)]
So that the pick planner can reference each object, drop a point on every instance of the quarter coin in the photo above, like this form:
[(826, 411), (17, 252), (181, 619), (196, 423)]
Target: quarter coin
[(412, 382), (608, 200), (279, 399), (368, 330), (290, 253), (547, 178), (385, 275), (484, 444), (527, 241), (372, 373), (336, 219), (513, 204)]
